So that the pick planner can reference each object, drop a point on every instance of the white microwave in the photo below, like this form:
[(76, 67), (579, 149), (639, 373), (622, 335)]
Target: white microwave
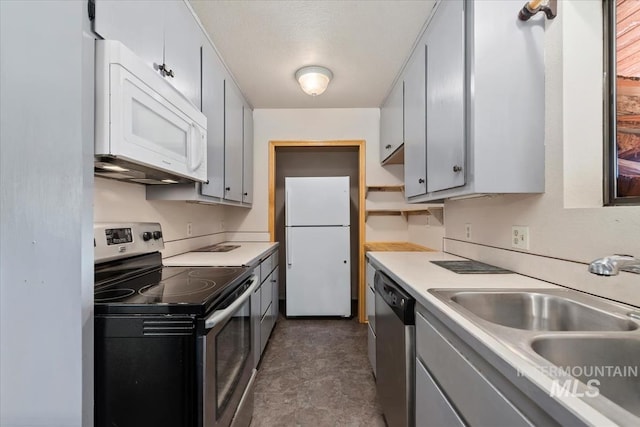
[(146, 131)]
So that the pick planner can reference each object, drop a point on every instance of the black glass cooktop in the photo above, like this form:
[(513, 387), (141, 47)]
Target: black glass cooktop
[(184, 290), (471, 267)]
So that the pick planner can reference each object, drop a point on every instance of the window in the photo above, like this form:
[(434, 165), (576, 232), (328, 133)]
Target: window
[(622, 47)]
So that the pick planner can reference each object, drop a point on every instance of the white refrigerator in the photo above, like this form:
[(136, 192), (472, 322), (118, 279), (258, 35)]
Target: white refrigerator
[(317, 234)]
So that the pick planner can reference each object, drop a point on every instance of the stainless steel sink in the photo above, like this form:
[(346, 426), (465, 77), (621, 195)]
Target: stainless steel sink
[(614, 362), (538, 311), (569, 336)]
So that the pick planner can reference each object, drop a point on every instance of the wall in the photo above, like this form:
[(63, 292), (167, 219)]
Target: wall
[(119, 201), (307, 125), (568, 227), (46, 267), (328, 124)]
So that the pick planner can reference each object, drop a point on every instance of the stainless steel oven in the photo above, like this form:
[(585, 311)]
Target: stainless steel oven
[(173, 345), (227, 362)]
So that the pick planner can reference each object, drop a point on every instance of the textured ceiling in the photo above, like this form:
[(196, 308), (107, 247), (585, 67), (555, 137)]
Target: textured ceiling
[(364, 43)]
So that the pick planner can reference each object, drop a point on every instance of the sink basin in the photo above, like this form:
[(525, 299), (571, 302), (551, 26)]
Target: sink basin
[(537, 311), (614, 362), (588, 346)]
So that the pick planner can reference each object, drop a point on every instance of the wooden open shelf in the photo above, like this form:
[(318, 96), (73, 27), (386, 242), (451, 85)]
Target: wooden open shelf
[(385, 188), (404, 209)]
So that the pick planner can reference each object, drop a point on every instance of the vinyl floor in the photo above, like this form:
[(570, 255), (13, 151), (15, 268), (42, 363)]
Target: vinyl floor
[(315, 372)]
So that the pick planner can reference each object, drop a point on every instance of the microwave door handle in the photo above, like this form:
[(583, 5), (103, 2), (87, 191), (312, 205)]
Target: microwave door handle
[(220, 316), (195, 147)]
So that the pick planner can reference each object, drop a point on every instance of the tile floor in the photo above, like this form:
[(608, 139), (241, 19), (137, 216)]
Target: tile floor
[(316, 373)]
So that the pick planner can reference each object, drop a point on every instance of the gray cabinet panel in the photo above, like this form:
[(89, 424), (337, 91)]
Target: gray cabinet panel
[(474, 396), (371, 349), (433, 409), (445, 97), (182, 41), (247, 156), (392, 121), (161, 33), (275, 309), (137, 24), (233, 128), (415, 156), (213, 74)]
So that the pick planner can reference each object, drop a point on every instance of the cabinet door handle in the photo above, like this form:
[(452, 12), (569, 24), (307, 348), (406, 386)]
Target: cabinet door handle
[(457, 168), (245, 194), (165, 71), (227, 188), (388, 146), (420, 180)]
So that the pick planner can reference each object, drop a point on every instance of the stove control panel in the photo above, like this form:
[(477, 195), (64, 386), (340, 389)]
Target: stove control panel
[(122, 240)]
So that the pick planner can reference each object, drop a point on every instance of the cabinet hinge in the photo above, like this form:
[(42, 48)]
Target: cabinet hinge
[(91, 8)]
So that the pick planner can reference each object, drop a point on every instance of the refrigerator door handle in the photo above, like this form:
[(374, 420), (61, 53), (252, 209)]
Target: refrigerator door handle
[(288, 248), (286, 208)]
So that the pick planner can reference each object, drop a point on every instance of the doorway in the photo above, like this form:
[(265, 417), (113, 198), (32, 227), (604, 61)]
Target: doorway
[(321, 158)]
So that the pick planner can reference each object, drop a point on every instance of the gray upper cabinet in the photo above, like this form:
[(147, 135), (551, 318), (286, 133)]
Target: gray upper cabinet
[(392, 122), (229, 116), (233, 141), (247, 156), (137, 24), (182, 41), (162, 33), (474, 103), (444, 40), (434, 105), (415, 158), (213, 76)]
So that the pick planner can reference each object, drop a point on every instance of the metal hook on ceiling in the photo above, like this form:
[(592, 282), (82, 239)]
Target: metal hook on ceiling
[(550, 9)]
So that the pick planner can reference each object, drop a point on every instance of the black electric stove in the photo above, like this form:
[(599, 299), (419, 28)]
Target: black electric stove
[(171, 343), (141, 285)]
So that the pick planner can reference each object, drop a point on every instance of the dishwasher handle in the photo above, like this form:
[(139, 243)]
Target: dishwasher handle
[(399, 300)]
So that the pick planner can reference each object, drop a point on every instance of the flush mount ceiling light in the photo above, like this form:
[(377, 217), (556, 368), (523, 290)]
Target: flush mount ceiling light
[(314, 79)]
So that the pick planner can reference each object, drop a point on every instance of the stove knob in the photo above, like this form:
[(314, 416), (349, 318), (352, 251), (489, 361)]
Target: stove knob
[(146, 236), (157, 235)]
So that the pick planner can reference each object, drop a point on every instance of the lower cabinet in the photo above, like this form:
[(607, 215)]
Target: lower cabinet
[(456, 386), (264, 302), (371, 315), (432, 406)]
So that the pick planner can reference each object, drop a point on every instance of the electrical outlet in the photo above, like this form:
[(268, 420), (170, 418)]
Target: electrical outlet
[(189, 229), (520, 237), (467, 231)]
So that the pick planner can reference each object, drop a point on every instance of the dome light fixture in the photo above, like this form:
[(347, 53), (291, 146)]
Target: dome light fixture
[(314, 79)]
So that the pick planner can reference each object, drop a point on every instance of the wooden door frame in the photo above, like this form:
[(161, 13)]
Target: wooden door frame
[(360, 145)]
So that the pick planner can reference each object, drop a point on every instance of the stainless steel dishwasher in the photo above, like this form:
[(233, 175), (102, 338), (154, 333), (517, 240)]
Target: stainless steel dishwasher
[(395, 351)]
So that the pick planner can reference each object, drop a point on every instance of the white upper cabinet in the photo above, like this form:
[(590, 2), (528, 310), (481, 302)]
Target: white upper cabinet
[(233, 142), (392, 122), (474, 103), (164, 34), (213, 76), (247, 156)]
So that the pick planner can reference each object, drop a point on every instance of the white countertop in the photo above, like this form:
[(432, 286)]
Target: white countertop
[(249, 253), (416, 274)]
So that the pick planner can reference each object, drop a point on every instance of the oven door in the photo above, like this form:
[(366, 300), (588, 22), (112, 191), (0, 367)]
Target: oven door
[(227, 359)]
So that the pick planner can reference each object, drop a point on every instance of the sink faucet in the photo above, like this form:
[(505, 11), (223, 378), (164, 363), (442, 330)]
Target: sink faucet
[(611, 265)]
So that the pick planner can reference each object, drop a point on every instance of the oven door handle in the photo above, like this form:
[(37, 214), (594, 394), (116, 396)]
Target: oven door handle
[(219, 316)]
